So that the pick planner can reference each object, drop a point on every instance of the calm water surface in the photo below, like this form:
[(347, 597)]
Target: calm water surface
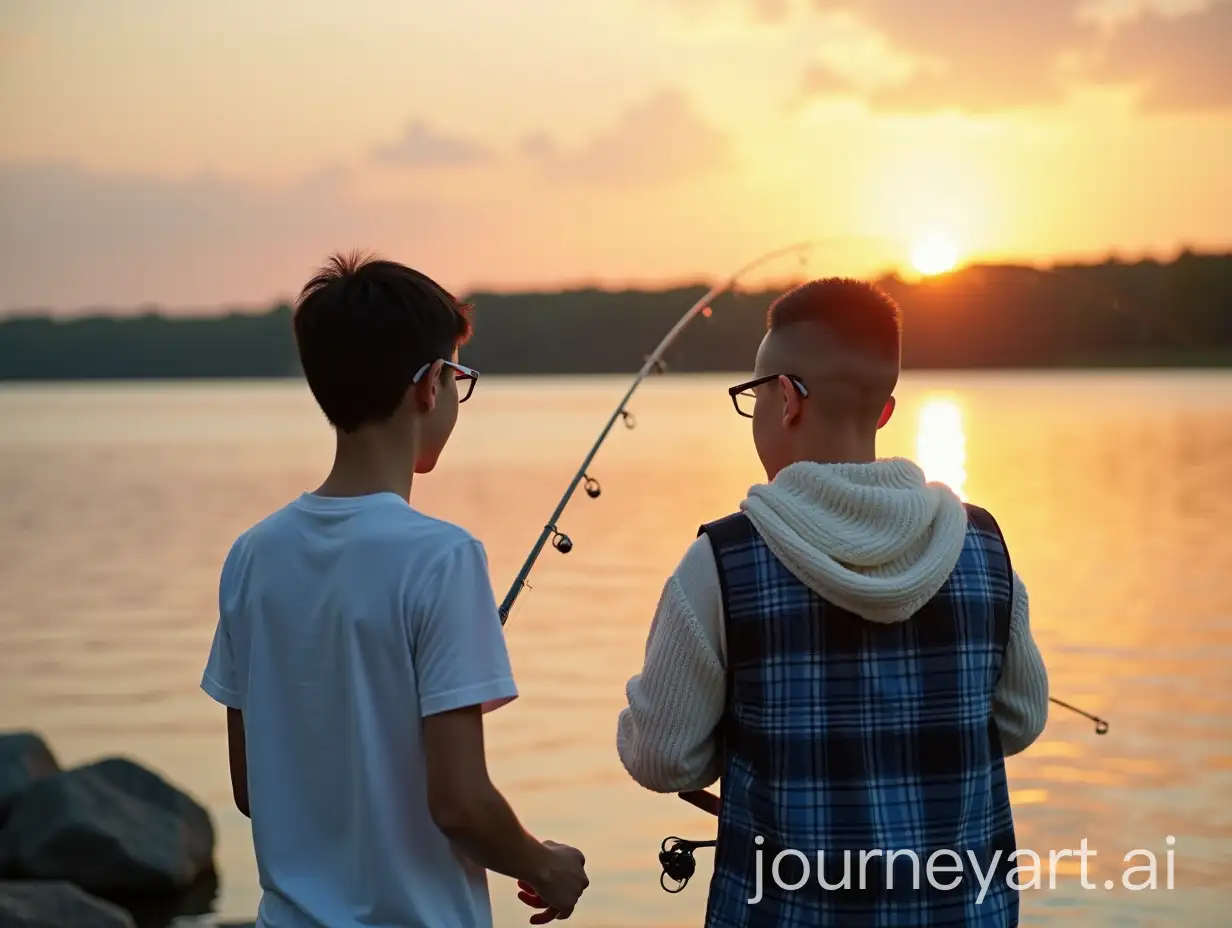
[(120, 502)]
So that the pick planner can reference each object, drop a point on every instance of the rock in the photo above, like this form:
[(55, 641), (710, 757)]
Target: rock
[(56, 905), (24, 760), (112, 828), (190, 908)]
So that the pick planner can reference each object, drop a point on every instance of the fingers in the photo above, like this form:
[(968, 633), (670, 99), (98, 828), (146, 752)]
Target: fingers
[(529, 895), (549, 913), (542, 918)]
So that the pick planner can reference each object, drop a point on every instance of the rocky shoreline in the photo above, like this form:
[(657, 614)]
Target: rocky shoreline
[(109, 844)]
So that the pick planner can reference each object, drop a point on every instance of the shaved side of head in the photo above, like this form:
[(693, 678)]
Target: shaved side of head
[(842, 338)]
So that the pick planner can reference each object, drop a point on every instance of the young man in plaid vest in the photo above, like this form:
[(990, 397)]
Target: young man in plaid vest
[(849, 653)]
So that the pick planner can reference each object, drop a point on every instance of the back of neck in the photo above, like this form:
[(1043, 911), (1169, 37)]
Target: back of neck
[(367, 463), (837, 448)]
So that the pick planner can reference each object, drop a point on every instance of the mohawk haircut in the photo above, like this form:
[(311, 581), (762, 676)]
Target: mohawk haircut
[(860, 348), (364, 326), (860, 315)]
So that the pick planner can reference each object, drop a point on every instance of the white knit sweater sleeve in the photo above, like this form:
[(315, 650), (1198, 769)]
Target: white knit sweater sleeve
[(1020, 705), (666, 735)]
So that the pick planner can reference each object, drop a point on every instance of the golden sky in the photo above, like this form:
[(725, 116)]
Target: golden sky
[(195, 154)]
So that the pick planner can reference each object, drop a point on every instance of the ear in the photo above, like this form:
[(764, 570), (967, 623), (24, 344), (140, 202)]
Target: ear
[(886, 413), (792, 404), (424, 392)]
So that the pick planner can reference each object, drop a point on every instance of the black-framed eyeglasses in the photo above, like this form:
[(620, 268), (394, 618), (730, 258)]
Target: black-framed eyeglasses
[(743, 397), (467, 377)]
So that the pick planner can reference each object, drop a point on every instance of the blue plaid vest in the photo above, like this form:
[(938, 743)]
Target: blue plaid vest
[(844, 736)]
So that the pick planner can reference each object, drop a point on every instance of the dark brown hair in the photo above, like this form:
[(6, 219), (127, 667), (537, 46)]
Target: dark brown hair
[(857, 344), (857, 314), (363, 328)]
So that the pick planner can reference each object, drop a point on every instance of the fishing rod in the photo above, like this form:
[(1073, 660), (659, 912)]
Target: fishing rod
[(676, 854), (654, 362)]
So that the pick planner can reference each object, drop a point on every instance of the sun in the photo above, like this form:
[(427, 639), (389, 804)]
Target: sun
[(934, 252)]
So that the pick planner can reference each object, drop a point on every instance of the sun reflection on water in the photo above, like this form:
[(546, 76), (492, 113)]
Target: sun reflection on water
[(941, 444)]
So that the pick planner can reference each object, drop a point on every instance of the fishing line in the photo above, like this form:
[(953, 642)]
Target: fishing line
[(676, 854)]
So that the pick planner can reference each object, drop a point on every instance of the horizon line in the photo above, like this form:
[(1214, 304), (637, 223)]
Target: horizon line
[(618, 286)]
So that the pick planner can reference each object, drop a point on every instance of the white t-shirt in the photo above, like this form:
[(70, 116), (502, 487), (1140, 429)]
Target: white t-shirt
[(342, 623)]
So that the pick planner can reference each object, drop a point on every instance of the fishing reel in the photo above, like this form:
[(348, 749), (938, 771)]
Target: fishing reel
[(678, 862)]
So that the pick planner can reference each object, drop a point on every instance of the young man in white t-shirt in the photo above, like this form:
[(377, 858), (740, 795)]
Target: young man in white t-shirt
[(358, 645)]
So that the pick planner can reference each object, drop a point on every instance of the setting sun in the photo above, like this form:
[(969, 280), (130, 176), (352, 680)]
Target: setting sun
[(934, 253)]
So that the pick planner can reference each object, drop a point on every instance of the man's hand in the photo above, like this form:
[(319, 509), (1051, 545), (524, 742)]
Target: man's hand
[(704, 800), (237, 750), (561, 886)]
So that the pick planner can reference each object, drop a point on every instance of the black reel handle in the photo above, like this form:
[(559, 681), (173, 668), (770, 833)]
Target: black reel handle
[(678, 862)]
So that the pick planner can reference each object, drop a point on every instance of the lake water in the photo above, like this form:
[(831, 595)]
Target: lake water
[(120, 502)]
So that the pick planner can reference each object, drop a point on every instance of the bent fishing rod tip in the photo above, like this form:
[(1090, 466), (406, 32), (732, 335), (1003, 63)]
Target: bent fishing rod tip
[(1101, 725), (654, 362)]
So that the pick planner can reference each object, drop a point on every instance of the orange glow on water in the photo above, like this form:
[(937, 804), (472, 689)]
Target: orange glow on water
[(941, 444)]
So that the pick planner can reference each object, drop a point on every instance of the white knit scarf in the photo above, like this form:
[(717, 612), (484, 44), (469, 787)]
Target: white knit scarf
[(875, 539)]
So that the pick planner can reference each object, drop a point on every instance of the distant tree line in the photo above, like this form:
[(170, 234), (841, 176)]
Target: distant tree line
[(1111, 314)]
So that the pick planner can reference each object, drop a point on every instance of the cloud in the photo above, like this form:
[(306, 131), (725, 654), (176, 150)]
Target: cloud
[(766, 11), (659, 140), (970, 54), (983, 56), (1112, 13), (74, 238), (1178, 62), (71, 238), (420, 146), (825, 81), (854, 57), (14, 45)]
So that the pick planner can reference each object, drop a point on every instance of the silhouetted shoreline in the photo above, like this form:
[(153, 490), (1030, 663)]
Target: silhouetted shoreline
[(1109, 315)]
